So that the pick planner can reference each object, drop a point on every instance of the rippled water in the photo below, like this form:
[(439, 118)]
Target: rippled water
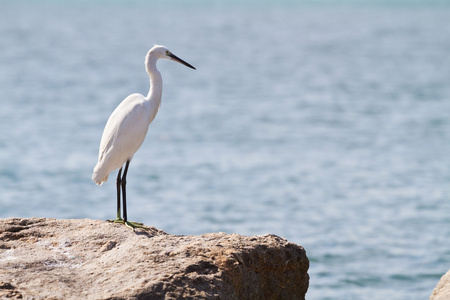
[(325, 124)]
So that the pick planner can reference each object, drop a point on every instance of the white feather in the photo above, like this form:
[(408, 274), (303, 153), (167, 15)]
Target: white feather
[(127, 126), (124, 134)]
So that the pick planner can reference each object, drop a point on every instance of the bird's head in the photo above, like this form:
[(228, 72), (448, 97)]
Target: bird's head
[(161, 52)]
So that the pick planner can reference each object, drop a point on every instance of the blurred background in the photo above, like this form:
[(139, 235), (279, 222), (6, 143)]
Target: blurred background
[(324, 122)]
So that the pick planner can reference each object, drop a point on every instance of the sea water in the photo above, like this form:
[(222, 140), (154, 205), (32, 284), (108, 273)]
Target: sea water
[(327, 124)]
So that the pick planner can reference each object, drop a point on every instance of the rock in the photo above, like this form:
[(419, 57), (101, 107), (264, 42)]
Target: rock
[(87, 259), (442, 289)]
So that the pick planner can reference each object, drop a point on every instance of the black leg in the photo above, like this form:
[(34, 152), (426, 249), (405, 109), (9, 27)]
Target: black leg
[(121, 184), (118, 183), (124, 193)]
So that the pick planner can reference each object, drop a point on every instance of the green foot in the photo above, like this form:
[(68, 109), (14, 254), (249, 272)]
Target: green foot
[(129, 224)]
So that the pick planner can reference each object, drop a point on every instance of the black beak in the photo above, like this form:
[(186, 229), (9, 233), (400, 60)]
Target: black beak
[(177, 59)]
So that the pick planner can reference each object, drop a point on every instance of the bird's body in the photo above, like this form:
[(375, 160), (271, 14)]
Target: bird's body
[(124, 134), (127, 126)]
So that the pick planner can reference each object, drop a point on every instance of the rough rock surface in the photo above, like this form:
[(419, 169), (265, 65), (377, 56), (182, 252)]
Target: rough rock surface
[(88, 259), (442, 289)]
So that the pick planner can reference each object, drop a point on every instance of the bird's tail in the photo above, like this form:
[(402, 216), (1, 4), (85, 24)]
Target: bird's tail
[(98, 177)]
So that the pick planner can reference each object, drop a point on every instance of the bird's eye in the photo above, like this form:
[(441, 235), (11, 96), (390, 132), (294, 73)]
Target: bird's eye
[(167, 52)]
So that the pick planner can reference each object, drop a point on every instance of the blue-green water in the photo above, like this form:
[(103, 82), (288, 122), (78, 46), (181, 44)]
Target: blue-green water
[(326, 124)]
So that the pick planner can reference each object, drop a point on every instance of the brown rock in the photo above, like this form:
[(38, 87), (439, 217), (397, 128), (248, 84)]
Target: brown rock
[(442, 289), (87, 259)]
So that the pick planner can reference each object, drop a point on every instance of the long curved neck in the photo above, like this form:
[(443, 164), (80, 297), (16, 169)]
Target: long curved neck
[(155, 91)]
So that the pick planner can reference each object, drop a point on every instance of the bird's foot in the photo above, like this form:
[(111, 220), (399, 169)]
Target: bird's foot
[(118, 220), (133, 225), (129, 224)]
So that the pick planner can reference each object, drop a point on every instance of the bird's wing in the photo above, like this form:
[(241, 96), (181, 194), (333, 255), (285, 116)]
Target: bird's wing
[(124, 133)]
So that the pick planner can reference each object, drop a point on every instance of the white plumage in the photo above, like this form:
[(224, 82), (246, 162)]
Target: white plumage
[(127, 126), (124, 134)]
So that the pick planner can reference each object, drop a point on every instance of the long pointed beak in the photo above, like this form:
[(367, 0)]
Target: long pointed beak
[(177, 59)]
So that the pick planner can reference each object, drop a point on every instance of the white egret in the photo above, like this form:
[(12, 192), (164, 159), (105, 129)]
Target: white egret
[(127, 127)]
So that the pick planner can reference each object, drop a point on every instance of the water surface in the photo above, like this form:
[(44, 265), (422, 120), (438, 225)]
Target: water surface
[(326, 124)]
